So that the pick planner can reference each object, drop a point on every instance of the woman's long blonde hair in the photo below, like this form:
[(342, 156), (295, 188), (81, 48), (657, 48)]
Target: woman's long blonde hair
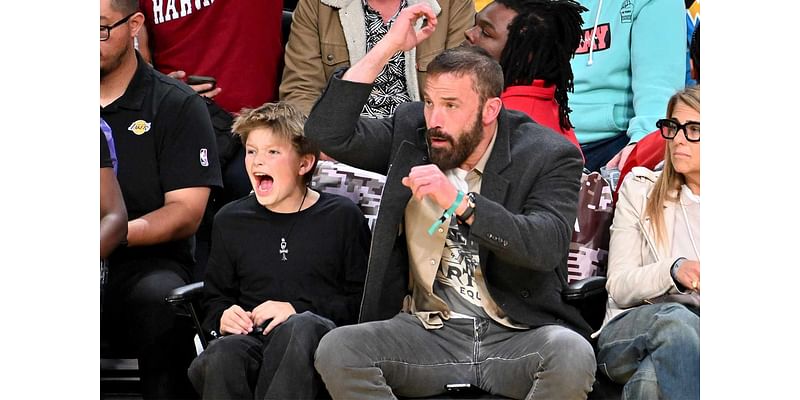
[(669, 182)]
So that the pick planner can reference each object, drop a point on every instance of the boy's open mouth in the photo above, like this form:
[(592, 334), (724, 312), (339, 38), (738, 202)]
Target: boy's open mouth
[(263, 182)]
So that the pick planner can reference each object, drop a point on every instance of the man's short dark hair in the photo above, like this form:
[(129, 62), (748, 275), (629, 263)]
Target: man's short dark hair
[(486, 73), (542, 40), (125, 6)]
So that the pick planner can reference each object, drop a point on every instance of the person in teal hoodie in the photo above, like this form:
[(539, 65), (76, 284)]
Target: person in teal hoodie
[(630, 61)]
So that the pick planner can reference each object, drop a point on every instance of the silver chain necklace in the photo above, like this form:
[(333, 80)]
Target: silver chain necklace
[(284, 250)]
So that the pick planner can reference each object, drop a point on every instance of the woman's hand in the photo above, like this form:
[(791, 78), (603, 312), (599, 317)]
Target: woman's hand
[(688, 275)]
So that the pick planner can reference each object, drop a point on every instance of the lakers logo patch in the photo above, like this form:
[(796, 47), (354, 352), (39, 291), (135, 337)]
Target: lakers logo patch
[(139, 127)]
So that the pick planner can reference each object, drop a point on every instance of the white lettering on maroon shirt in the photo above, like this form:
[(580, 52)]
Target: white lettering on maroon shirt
[(164, 14), (186, 7), (172, 12)]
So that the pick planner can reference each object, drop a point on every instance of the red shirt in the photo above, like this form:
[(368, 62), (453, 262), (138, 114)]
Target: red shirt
[(237, 42), (538, 101), (648, 152)]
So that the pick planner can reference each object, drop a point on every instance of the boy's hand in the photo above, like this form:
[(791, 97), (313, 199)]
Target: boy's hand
[(235, 321), (278, 311)]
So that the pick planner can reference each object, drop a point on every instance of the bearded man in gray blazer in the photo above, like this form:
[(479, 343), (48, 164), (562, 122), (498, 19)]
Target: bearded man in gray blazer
[(471, 240)]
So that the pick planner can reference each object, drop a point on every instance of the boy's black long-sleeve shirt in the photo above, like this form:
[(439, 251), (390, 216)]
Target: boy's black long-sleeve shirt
[(326, 248)]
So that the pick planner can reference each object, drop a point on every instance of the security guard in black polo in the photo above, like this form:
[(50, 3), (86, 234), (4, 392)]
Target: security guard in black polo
[(168, 163)]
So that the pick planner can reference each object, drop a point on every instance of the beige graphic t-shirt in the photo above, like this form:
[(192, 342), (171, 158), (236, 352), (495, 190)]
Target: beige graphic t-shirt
[(455, 281)]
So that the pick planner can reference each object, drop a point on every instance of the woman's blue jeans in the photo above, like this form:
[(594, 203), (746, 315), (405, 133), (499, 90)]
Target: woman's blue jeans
[(654, 350)]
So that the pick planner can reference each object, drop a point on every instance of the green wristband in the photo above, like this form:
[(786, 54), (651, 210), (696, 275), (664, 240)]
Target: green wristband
[(447, 213)]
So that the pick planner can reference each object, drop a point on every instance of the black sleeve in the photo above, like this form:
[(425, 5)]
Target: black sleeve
[(548, 213), (335, 123), (105, 154), (355, 265), (221, 288), (188, 156)]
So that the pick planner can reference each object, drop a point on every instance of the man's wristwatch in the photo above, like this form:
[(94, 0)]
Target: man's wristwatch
[(470, 209)]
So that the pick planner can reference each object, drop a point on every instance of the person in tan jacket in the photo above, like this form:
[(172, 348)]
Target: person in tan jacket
[(329, 34), (651, 337)]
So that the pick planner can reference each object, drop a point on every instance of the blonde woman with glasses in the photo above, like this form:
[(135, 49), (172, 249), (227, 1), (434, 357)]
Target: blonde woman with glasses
[(651, 337)]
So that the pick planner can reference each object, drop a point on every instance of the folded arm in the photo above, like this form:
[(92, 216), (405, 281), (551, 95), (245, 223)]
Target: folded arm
[(178, 218)]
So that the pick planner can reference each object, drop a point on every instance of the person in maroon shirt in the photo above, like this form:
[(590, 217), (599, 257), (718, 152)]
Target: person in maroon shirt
[(238, 43)]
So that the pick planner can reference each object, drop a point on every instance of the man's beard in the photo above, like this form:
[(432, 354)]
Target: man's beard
[(114, 63), (453, 157)]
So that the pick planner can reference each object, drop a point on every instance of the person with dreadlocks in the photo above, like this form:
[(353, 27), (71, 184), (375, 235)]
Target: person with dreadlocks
[(533, 40)]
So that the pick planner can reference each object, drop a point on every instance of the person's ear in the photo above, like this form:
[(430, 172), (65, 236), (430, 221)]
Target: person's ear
[(136, 23), (306, 163), (491, 109)]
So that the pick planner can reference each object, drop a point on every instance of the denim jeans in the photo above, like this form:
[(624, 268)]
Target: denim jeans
[(279, 365), (400, 357), (654, 350), (599, 153)]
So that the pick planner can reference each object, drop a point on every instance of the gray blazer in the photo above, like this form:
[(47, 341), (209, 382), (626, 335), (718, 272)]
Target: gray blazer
[(524, 214)]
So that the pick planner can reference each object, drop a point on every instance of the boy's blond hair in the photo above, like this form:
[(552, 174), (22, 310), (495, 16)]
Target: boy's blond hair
[(285, 121)]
